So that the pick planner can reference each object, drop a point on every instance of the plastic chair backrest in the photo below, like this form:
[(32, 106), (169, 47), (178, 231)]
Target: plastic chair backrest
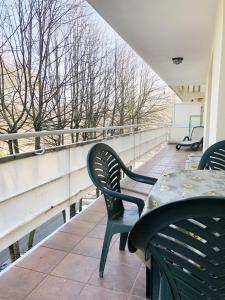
[(214, 157), (197, 133), (104, 168), (187, 240)]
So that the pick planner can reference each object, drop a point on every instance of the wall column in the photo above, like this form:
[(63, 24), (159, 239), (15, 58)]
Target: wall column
[(216, 104), (207, 110)]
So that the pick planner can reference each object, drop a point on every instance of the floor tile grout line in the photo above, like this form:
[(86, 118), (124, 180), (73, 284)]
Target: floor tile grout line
[(65, 278), (47, 274), (111, 289), (31, 270), (80, 291), (130, 293), (4, 298), (132, 267), (102, 288), (36, 286), (59, 277), (93, 222)]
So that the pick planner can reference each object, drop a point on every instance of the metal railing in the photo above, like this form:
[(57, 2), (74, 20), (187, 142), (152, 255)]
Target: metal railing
[(104, 133), (14, 136)]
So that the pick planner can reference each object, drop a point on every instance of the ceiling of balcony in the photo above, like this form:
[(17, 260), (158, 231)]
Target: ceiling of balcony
[(161, 29)]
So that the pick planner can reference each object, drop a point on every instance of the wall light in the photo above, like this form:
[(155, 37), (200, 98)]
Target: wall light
[(177, 60)]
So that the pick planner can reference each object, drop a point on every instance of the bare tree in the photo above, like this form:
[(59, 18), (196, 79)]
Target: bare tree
[(59, 70), (13, 83)]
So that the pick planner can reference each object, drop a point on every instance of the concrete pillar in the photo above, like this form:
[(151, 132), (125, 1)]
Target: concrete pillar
[(207, 110), (217, 103)]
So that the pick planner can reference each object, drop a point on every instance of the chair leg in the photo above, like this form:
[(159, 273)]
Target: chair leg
[(154, 280), (123, 240), (105, 249), (148, 286)]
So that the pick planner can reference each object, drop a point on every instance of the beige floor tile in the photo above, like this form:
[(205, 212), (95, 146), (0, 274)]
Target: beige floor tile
[(42, 259), (139, 288), (90, 216), (96, 293), (123, 257), (62, 241), (98, 231), (78, 227), (17, 283), (118, 277), (132, 297), (89, 247), (55, 288), (98, 206), (76, 267)]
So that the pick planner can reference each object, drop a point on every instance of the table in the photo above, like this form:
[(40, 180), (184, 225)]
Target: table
[(174, 187), (185, 184)]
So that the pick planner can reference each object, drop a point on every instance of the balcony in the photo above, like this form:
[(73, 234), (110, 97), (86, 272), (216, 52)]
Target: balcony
[(65, 265), (38, 185)]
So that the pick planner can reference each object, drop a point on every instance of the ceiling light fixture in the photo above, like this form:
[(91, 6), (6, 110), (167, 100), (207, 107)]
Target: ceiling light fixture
[(177, 60)]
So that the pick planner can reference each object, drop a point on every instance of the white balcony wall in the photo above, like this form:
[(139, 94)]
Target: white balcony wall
[(34, 189), (181, 117), (177, 134), (183, 111)]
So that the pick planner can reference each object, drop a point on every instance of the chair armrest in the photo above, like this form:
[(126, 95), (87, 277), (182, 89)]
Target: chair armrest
[(142, 178), (137, 177), (186, 138), (139, 202)]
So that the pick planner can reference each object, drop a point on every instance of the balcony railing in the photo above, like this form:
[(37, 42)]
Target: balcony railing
[(34, 188)]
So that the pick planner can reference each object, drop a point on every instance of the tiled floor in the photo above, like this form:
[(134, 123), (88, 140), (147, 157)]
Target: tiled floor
[(65, 267)]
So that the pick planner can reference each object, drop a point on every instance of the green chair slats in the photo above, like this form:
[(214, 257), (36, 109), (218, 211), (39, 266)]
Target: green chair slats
[(186, 240), (104, 168), (213, 158)]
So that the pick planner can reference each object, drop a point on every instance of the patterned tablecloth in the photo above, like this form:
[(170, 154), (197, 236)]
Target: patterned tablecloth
[(185, 184)]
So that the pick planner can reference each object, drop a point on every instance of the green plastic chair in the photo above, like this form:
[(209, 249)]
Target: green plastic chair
[(213, 158), (104, 168), (186, 240)]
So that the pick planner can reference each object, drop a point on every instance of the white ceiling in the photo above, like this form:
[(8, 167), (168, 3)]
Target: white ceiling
[(161, 29)]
